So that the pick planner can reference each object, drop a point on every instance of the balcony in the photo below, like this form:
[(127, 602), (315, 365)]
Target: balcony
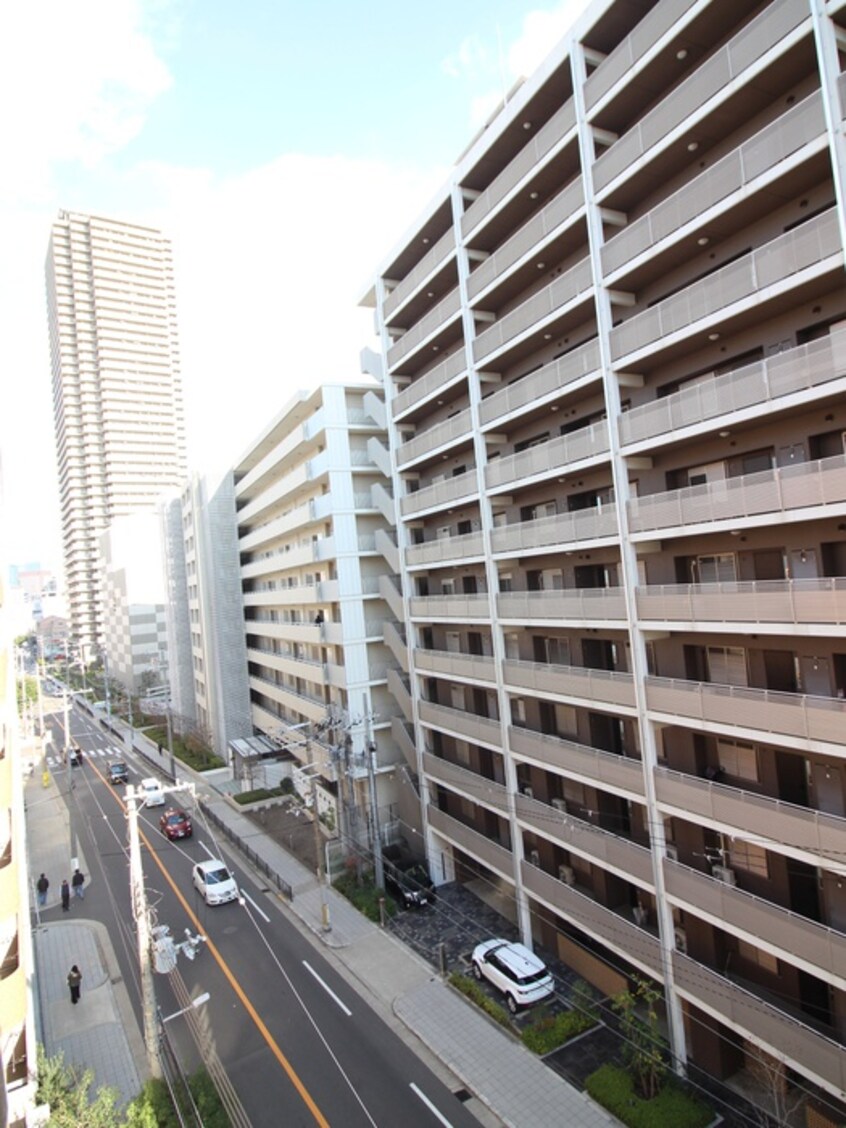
[(772, 606), (626, 858), (447, 663), (570, 607), (819, 1057), (435, 608), (804, 491), (569, 454), (803, 942), (296, 479), (568, 373), (815, 834), (431, 262), (569, 289), (441, 435), (530, 238), (472, 842), (445, 550), (807, 251), (473, 786), (634, 944), (461, 724), (530, 158), (448, 309), (585, 526), (793, 719), (314, 708), (721, 73), (574, 683), (438, 495), (754, 391), (450, 371), (306, 670), (293, 632), (620, 775)]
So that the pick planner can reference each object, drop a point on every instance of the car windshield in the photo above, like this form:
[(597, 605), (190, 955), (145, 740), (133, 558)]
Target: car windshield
[(175, 820), (216, 876)]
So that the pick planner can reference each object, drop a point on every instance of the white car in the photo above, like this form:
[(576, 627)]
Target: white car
[(214, 882), (151, 789), (515, 970)]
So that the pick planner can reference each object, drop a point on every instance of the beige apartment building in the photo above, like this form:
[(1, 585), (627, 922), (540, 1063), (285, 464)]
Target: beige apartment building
[(615, 363)]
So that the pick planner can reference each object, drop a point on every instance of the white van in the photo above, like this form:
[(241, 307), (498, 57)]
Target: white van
[(152, 791)]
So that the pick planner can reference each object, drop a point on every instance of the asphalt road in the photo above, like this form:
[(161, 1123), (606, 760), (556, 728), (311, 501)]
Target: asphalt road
[(299, 1046)]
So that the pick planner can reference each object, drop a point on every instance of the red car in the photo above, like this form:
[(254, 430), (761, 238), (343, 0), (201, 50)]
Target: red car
[(175, 823)]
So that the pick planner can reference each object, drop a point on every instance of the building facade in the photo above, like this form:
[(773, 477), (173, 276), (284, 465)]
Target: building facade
[(117, 392), (614, 350), (311, 538)]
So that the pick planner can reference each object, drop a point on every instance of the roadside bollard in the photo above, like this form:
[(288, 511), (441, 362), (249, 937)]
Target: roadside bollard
[(382, 912), (45, 779), (442, 958)]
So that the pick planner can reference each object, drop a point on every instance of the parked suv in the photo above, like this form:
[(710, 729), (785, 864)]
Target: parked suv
[(513, 969), (407, 877)]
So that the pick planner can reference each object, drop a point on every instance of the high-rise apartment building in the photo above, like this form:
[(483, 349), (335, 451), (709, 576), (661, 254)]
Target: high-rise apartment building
[(615, 377), (117, 393)]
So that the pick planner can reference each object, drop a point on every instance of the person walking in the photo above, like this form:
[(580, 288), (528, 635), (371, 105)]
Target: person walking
[(78, 883), (65, 895), (74, 982), (42, 885)]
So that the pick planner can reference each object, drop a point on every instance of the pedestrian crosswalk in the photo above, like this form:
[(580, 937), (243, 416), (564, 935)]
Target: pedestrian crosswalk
[(109, 752)]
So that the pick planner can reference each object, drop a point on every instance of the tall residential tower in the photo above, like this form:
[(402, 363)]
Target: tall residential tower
[(117, 393)]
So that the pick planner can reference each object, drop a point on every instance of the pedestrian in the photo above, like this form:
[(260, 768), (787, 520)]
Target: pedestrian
[(65, 895), (78, 883), (74, 981), (42, 885)]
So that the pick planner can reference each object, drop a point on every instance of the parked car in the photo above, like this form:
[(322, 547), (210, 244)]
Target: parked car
[(118, 772), (74, 755), (407, 878), (176, 823), (214, 882), (152, 792), (514, 970)]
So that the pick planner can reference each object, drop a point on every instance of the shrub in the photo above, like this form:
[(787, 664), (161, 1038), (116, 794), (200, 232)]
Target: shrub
[(583, 998), (614, 1089), (548, 1032), (477, 995), (365, 895), (258, 793)]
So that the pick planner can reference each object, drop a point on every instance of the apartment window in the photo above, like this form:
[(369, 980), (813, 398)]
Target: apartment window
[(755, 955), (727, 665), (506, 582), (716, 569), (518, 711), (750, 857), (737, 759)]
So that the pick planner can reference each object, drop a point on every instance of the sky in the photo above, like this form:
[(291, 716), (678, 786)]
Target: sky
[(284, 147)]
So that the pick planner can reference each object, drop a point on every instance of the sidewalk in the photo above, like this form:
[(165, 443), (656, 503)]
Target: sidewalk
[(101, 1032)]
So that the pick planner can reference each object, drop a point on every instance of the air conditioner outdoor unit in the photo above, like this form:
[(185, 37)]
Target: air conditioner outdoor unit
[(724, 873), (567, 874), (534, 857), (527, 791), (681, 941), (672, 851), (560, 805)]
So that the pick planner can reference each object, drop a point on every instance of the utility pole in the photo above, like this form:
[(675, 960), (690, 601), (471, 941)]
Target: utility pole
[(130, 734), (142, 931), (170, 741), (370, 752), (318, 850), (67, 729), (106, 680)]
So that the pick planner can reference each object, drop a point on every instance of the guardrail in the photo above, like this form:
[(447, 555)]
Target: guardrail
[(255, 859)]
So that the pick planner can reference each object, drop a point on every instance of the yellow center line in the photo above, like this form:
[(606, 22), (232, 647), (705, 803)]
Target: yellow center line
[(233, 982)]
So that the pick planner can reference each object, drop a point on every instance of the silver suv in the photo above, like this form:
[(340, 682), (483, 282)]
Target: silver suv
[(515, 970)]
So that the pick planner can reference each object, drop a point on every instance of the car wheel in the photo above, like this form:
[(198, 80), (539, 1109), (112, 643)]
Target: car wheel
[(512, 1004), (477, 971)]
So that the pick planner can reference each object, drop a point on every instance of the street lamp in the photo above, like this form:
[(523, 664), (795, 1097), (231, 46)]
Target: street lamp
[(198, 1002)]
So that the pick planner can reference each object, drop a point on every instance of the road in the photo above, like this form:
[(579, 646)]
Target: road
[(297, 1043)]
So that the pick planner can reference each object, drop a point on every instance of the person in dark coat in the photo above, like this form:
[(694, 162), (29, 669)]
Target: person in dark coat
[(74, 982), (78, 883), (42, 885), (65, 895)]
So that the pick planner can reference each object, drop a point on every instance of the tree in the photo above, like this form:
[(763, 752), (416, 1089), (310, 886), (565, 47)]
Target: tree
[(66, 1090), (643, 1049)]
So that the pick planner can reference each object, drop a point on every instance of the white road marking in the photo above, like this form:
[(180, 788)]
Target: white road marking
[(327, 988), (430, 1106), (247, 897)]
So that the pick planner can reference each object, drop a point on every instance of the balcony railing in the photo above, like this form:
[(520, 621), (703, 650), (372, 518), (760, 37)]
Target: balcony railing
[(441, 434), (468, 667), (473, 608), (446, 310), (581, 605), (560, 531), (471, 784), (472, 842), (573, 369), (618, 774), (481, 730), (564, 452), (806, 486), (445, 548), (733, 808), (431, 261), (788, 603), (762, 712), (577, 682), (451, 369), (754, 386), (439, 494)]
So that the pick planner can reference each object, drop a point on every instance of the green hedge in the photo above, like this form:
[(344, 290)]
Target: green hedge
[(259, 793), (479, 996), (549, 1031), (613, 1088), (365, 895)]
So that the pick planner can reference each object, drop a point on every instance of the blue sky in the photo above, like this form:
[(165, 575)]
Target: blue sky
[(248, 132)]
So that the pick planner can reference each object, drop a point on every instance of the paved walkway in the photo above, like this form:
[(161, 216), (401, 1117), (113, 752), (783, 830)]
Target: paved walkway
[(102, 1033)]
